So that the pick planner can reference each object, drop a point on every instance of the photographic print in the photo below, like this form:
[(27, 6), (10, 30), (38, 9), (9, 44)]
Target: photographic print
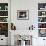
[(41, 19), (3, 19), (42, 32), (41, 25), (22, 14), (41, 6), (4, 29)]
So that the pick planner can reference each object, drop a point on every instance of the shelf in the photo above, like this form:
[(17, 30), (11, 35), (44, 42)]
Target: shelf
[(42, 16), (3, 16), (42, 19), (41, 22), (3, 10), (4, 19), (41, 10), (41, 28), (3, 22)]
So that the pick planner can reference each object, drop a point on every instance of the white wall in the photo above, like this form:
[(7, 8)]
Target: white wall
[(24, 5), (32, 6)]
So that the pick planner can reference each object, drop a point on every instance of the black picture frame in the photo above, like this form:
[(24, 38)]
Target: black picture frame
[(23, 14)]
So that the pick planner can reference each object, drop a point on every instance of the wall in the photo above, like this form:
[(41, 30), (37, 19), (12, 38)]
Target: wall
[(24, 5), (32, 6)]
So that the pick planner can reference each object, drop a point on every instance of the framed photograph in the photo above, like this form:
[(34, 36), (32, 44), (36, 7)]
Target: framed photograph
[(23, 14), (42, 32), (41, 6), (4, 29)]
